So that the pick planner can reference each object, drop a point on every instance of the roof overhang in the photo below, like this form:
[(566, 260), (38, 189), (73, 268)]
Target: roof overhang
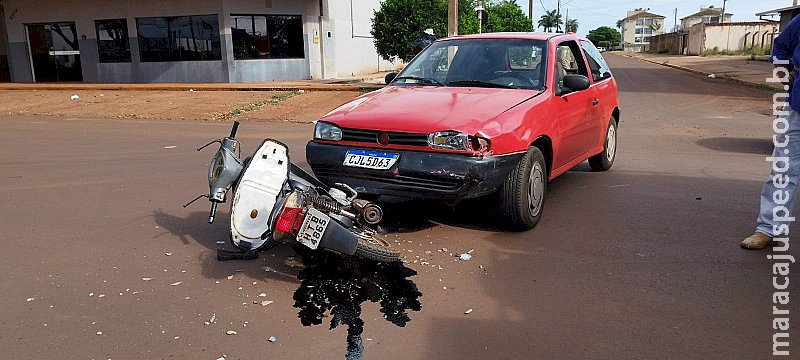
[(778, 11)]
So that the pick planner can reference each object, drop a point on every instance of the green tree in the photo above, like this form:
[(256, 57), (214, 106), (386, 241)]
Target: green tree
[(506, 16), (399, 22), (551, 20), (620, 23), (604, 34), (572, 25)]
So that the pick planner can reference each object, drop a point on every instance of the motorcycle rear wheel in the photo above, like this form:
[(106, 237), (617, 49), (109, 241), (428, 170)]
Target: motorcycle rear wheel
[(374, 246)]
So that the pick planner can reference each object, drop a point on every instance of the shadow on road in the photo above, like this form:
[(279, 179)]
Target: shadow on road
[(756, 146), (195, 228)]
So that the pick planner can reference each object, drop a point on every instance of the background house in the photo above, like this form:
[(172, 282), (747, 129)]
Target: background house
[(129, 41), (709, 15), (782, 15), (637, 29)]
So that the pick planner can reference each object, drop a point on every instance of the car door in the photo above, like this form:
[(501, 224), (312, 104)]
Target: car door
[(573, 108), (603, 90)]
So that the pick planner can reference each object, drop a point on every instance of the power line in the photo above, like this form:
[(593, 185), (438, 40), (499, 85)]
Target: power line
[(594, 12)]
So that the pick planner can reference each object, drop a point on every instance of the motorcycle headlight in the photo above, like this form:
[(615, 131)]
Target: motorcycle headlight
[(215, 169), (327, 131)]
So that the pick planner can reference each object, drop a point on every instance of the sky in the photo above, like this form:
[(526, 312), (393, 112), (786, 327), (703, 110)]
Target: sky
[(592, 14)]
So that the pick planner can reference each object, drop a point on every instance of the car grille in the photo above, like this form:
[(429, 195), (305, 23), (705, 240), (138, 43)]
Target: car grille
[(395, 138), (401, 180)]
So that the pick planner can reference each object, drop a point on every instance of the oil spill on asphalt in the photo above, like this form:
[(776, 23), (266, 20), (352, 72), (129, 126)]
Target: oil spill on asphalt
[(341, 284)]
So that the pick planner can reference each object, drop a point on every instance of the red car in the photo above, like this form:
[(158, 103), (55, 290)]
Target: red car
[(475, 115)]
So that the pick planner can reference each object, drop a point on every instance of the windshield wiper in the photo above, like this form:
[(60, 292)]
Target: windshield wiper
[(420, 79), (479, 83)]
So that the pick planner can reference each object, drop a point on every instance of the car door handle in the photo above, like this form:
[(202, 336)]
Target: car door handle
[(595, 102)]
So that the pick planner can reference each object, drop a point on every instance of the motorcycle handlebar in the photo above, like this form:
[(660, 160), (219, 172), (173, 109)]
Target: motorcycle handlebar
[(234, 130)]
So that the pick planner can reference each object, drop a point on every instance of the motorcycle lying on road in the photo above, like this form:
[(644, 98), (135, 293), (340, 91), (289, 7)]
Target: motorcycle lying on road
[(275, 200)]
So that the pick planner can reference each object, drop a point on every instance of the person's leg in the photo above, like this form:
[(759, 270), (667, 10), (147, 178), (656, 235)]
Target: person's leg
[(780, 191)]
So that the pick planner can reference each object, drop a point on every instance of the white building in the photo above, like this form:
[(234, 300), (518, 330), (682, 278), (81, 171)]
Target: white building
[(129, 41), (637, 29), (707, 15)]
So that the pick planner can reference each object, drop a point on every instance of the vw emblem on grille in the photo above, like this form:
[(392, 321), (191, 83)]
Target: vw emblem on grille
[(383, 138)]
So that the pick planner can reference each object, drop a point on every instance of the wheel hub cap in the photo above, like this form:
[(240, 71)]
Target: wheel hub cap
[(536, 189)]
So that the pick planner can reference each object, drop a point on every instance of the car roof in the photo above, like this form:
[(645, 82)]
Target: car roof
[(517, 35)]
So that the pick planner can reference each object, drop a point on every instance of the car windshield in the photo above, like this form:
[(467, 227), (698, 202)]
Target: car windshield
[(492, 63)]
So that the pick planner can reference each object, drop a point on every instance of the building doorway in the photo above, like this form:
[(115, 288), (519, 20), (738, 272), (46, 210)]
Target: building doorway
[(55, 55)]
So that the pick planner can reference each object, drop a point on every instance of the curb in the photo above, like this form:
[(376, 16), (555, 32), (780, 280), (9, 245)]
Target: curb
[(193, 87), (761, 86)]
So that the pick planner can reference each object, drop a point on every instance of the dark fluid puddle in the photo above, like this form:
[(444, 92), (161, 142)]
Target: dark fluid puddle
[(341, 284)]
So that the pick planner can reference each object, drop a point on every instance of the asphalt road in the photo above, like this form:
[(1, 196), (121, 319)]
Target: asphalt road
[(641, 262)]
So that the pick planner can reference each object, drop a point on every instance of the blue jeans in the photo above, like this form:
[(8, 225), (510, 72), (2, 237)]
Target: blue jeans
[(777, 198)]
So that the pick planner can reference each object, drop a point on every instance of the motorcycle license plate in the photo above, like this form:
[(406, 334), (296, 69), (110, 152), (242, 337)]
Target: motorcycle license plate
[(314, 225), (370, 159)]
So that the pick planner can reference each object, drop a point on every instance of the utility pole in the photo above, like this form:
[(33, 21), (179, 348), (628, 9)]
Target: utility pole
[(530, 10), (558, 16), (675, 29), (452, 18), (566, 23), (722, 18)]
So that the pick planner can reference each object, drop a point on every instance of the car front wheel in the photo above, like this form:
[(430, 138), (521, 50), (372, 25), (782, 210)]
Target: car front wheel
[(522, 194), (604, 160)]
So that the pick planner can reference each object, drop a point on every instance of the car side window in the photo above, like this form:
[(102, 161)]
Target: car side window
[(569, 61), (597, 64)]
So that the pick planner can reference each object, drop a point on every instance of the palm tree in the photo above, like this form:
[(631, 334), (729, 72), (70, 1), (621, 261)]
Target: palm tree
[(572, 25), (620, 23), (655, 26), (551, 19)]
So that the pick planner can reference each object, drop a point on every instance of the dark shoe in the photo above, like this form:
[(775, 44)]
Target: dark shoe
[(756, 242)]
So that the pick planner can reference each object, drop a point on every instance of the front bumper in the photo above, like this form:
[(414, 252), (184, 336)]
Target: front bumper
[(416, 175)]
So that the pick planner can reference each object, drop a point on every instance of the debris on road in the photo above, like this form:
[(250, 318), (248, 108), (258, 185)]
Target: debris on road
[(176, 284), (99, 333), (272, 339), (168, 254), (712, 76), (74, 97), (146, 279), (230, 277), (262, 295), (170, 147), (266, 302), (465, 257), (468, 312), (30, 299), (231, 332)]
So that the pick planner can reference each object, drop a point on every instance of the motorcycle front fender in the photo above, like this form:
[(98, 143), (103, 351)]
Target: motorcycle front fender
[(339, 239)]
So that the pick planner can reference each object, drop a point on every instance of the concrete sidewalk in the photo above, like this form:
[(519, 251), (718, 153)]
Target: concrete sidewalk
[(740, 69), (370, 82)]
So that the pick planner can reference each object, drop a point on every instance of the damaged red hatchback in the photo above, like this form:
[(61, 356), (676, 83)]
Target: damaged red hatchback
[(476, 115)]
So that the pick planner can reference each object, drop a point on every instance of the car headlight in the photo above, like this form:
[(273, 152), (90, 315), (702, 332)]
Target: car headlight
[(453, 140), (327, 131)]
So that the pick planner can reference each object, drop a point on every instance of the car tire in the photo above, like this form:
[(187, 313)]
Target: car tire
[(522, 194), (604, 160)]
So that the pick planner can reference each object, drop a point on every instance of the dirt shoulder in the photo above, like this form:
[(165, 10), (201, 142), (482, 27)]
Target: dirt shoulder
[(293, 106)]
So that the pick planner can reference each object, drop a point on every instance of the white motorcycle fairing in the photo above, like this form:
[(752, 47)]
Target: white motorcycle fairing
[(256, 194)]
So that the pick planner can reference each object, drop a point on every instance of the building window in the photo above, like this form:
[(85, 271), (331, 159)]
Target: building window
[(639, 22), (113, 44), (711, 20), (646, 39), (267, 37), (647, 31), (638, 40), (648, 21), (639, 31), (180, 38)]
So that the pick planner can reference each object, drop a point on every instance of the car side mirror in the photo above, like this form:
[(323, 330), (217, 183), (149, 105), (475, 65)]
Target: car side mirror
[(574, 83), (390, 77)]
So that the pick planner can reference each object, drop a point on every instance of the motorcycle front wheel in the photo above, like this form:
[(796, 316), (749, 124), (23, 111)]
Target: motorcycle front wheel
[(374, 246)]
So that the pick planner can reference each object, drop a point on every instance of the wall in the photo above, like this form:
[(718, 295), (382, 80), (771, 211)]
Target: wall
[(667, 43), (350, 22), (4, 73), (697, 39), (21, 12), (738, 36)]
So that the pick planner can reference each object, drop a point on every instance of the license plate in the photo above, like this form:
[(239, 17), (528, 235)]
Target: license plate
[(314, 225), (370, 159)]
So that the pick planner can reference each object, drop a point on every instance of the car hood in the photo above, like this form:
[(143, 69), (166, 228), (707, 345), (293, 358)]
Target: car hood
[(421, 109)]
